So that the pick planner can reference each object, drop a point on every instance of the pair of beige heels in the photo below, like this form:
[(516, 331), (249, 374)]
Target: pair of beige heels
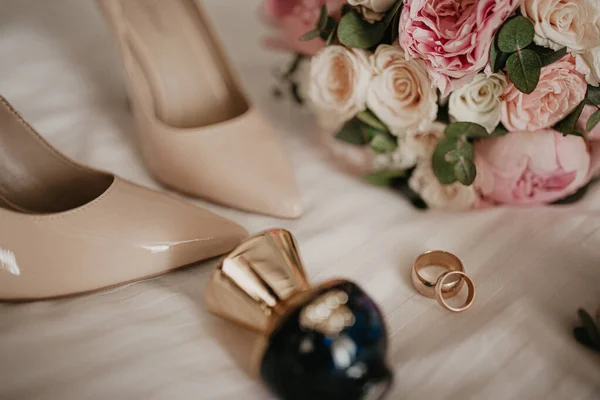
[(68, 229)]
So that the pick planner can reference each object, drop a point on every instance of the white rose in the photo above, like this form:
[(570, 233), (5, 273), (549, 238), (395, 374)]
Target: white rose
[(401, 93), (574, 24), (453, 197), (375, 5), (479, 101), (339, 80), (371, 16), (588, 64)]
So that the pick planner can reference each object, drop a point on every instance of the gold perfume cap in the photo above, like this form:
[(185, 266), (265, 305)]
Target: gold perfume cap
[(254, 285)]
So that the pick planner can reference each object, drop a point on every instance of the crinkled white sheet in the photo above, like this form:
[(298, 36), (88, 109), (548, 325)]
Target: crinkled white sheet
[(154, 340)]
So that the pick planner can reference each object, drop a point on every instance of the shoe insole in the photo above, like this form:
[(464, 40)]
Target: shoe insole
[(34, 178), (187, 76)]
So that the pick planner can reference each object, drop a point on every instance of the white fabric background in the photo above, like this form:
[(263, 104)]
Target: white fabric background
[(154, 340)]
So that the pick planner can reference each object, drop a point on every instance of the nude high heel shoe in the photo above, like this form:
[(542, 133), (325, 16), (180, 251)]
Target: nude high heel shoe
[(198, 132), (67, 229)]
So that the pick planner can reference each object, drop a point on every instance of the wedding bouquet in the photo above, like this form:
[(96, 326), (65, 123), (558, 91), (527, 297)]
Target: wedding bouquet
[(459, 104)]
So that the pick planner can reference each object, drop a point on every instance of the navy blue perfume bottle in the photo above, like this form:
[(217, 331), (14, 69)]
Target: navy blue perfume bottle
[(324, 342)]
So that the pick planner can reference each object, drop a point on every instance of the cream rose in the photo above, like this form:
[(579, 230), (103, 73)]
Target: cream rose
[(588, 64), (401, 93), (479, 101), (339, 80), (411, 149), (404, 157), (453, 197), (378, 6), (574, 24)]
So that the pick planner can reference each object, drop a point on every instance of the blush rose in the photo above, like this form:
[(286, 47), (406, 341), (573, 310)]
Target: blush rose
[(560, 89), (453, 37), (531, 168), (294, 18)]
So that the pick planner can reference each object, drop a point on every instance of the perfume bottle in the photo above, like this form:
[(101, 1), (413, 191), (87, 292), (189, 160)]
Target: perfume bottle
[(319, 342)]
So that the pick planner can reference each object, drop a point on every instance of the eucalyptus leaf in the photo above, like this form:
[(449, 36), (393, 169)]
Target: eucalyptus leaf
[(369, 118), (466, 129), (465, 171), (567, 125), (384, 144), (497, 58), (384, 178), (354, 31), (453, 156), (442, 169), (370, 133), (593, 121), (582, 336), (499, 131), (548, 56), (391, 13), (323, 18), (524, 69), (352, 133), (590, 326), (310, 35), (593, 94), (330, 38), (516, 34)]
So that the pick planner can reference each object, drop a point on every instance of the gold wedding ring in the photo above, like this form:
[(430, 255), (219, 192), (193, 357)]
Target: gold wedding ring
[(470, 296), (448, 284)]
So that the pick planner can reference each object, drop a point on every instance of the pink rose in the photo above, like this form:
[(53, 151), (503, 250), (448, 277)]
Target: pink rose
[(453, 37), (530, 168), (294, 18), (560, 90), (587, 112)]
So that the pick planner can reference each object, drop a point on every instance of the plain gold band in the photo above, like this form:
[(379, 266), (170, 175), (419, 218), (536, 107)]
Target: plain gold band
[(442, 259), (441, 298)]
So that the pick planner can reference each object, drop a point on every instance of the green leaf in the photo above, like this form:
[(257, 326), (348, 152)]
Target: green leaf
[(593, 94), (330, 38), (322, 24), (384, 143), (590, 326), (453, 156), (353, 31), (516, 34), (369, 132), (499, 131), (383, 178), (524, 70), (465, 171), (466, 129), (548, 56), (444, 170), (310, 35), (390, 14), (497, 57), (567, 125), (593, 121), (369, 118), (352, 133)]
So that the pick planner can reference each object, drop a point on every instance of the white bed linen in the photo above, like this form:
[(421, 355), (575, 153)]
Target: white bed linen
[(154, 340)]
